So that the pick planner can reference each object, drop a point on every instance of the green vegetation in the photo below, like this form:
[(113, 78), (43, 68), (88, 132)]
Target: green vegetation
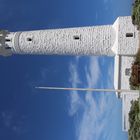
[(133, 77), (134, 84), (136, 13), (134, 120), (134, 114)]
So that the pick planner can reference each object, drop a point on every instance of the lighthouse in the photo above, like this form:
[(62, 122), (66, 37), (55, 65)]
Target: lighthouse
[(96, 40), (120, 40)]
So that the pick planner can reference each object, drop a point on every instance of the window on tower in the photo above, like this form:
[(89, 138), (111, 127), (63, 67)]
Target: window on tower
[(7, 40), (76, 37), (129, 34), (127, 71), (29, 39)]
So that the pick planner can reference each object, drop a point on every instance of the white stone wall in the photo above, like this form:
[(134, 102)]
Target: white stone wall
[(121, 80), (125, 45), (92, 41), (126, 106), (126, 62)]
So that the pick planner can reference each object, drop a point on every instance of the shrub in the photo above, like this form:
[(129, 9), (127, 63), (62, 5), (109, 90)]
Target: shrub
[(136, 13)]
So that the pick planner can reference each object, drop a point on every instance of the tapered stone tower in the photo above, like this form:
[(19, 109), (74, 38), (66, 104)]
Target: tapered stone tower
[(119, 38), (73, 41)]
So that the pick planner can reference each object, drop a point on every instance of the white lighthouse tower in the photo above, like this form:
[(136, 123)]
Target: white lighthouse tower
[(73, 41), (120, 40)]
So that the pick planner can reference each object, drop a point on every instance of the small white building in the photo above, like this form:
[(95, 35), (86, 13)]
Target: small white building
[(126, 46), (120, 40), (126, 105)]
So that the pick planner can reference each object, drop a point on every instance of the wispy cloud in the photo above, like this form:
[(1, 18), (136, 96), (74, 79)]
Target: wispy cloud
[(74, 78), (96, 116), (110, 74), (13, 122), (75, 101), (95, 119), (92, 72)]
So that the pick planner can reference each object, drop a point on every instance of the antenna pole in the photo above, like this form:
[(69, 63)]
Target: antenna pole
[(88, 89)]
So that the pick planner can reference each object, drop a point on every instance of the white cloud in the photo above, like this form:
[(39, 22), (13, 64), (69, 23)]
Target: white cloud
[(75, 101), (74, 76), (92, 75), (90, 128), (110, 75), (96, 118), (92, 72), (13, 122), (96, 115)]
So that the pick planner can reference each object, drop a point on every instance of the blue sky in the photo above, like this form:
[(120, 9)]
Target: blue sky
[(30, 114)]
